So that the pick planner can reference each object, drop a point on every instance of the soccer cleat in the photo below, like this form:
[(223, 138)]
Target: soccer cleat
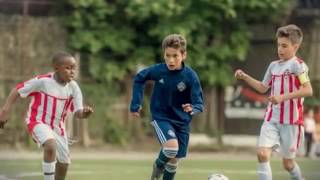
[(156, 172)]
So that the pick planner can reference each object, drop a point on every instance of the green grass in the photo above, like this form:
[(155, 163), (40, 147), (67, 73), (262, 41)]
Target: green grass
[(140, 169)]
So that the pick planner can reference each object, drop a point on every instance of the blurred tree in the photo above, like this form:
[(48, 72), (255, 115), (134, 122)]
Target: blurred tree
[(118, 36)]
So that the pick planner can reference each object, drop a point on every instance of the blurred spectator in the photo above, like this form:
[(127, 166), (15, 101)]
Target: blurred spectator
[(310, 130), (316, 149)]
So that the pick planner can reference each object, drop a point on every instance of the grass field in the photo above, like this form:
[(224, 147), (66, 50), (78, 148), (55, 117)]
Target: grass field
[(139, 169)]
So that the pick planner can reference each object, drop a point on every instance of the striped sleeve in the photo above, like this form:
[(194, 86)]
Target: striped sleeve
[(299, 67), (267, 77), (26, 88)]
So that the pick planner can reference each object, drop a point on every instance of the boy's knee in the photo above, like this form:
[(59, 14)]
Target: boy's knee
[(170, 152), (288, 164), (171, 143), (50, 146), (263, 155)]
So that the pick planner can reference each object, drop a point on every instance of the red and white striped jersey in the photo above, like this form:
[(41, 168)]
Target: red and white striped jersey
[(282, 78), (50, 101)]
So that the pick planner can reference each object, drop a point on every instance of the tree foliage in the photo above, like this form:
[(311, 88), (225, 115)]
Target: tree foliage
[(119, 35)]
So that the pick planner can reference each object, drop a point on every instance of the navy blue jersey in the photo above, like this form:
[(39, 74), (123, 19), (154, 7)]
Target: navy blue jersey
[(171, 89)]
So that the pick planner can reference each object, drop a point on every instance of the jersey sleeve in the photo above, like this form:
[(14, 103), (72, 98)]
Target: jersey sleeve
[(300, 69), (77, 102), (26, 88), (267, 77), (138, 87), (196, 96)]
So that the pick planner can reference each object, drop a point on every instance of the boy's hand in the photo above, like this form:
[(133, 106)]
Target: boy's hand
[(187, 107), (275, 99), (136, 114), (3, 118), (240, 75), (87, 110)]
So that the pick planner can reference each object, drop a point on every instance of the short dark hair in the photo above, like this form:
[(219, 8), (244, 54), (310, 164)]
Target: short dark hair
[(292, 32), (57, 57), (176, 41)]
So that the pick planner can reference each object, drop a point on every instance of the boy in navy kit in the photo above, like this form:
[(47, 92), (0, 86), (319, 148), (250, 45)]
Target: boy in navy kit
[(288, 81), (176, 97)]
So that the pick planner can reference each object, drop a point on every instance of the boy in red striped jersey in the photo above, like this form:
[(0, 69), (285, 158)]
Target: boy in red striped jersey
[(52, 95), (288, 81)]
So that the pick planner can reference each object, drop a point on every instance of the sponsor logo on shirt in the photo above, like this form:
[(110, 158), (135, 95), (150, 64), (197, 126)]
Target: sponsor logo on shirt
[(161, 81)]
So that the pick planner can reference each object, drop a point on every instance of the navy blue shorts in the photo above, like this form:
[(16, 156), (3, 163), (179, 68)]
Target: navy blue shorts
[(166, 131)]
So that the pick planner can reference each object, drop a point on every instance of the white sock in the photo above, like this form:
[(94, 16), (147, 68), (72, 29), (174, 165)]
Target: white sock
[(295, 173), (48, 170), (264, 171)]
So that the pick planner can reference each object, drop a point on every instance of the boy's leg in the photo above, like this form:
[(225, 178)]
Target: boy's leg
[(43, 135), (291, 139), (170, 169), (264, 168), (63, 157), (168, 152), (49, 157), (293, 168), (182, 134), (61, 170), (268, 140), (167, 138)]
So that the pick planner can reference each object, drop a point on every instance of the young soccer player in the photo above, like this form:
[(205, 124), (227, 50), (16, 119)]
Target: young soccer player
[(176, 97), (289, 83), (52, 95)]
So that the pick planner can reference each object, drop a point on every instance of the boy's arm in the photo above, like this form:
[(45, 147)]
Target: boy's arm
[(80, 110), (257, 85), (84, 113), (21, 90), (5, 110), (138, 89), (304, 91), (196, 105)]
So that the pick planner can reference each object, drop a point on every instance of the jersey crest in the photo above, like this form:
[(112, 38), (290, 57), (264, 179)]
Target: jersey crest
[(181, 86)]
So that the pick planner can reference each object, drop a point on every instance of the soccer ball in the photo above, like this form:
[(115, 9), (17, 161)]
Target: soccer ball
[(217, 177)]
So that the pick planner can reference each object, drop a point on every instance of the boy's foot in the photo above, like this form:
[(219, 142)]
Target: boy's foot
[(156, 172)]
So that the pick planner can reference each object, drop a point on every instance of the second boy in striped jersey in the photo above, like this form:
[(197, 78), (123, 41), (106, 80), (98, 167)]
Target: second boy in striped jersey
[(289, 83), (52, 96)]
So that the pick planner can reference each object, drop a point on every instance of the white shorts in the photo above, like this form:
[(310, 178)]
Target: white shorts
[(42, 132), (288, 138)]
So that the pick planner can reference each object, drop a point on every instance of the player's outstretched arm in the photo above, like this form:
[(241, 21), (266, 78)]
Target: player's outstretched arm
[(257, 85), (84, 113), (138, 89), (5, 110)]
